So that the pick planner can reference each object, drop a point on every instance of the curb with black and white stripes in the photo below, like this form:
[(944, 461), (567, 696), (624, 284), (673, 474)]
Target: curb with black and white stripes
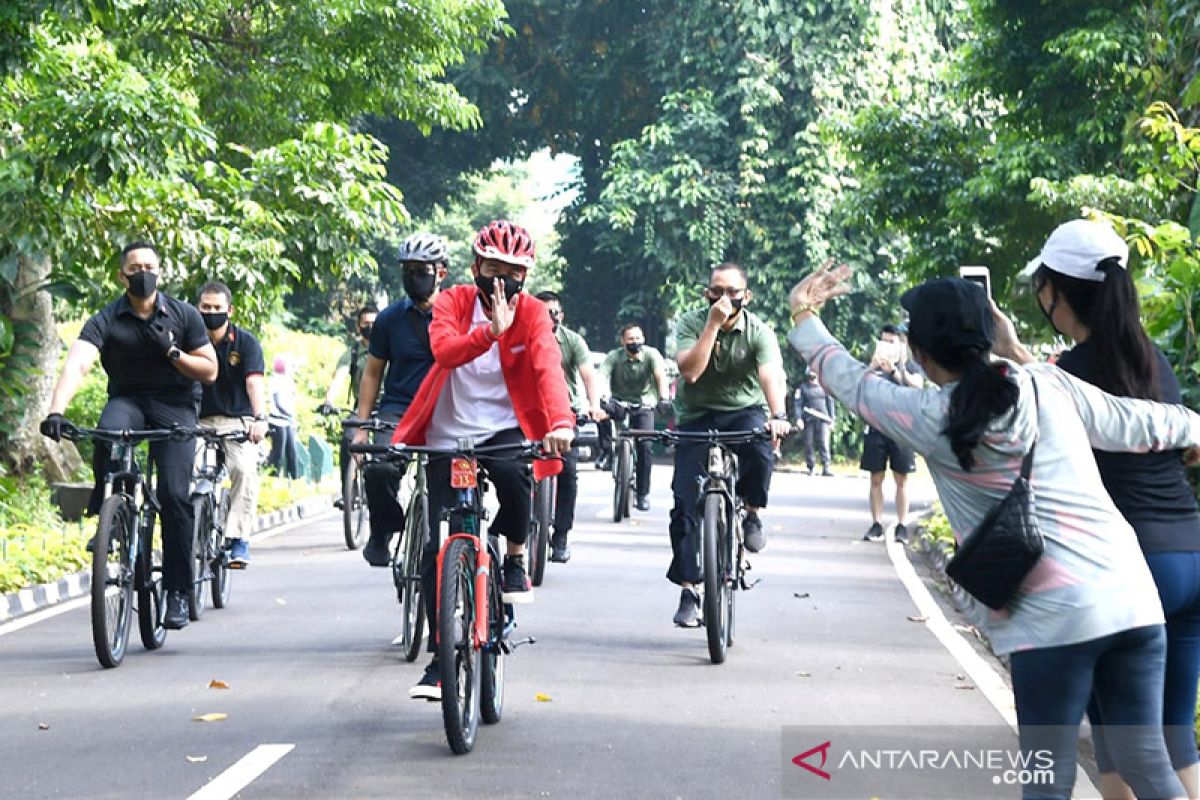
[(35, 598)]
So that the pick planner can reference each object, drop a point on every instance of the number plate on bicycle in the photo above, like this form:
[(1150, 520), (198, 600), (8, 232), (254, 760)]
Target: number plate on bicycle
[(462, 474)]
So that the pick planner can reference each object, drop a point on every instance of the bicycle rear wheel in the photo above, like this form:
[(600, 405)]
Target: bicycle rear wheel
[(406, 575), (222, 581), (354, 506), (492, 656), (718, 585), (457, 657), (151, 597), (112, 580), (543, 518), (202, 533), (622, 478)]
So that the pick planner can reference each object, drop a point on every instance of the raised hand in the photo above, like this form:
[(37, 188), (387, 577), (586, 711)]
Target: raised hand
[(826, 283), (503, 309)]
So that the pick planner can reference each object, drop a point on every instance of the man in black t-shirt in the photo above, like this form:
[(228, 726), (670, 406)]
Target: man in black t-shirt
[(235, 401), (155, 351)]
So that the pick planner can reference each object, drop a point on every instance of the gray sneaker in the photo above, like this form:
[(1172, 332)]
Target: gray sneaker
[(752, 533), (688, 615)]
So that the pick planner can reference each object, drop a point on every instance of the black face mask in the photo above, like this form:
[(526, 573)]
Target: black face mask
[(486, 286), (215, 321), (419, 287), (633, 347), (142, 283), (737, 304), (1048, 313), (365, 331)]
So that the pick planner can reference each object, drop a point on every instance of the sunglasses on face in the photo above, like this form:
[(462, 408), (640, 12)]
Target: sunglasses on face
[(718, 291)]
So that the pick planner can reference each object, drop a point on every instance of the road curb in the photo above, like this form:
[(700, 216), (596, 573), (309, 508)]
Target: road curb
[(43, 595)]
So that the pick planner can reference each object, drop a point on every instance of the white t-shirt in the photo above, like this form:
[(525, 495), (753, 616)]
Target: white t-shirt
[(474, 403)]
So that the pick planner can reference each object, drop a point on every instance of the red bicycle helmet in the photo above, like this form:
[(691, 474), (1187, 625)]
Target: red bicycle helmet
[(503, 241)]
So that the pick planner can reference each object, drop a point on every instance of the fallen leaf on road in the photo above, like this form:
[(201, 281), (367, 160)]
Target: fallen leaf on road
[(215, 716), (216, 684), (197, 759), (918, 619), (42, 726), (801, 595), (804, 674), (543, 698), (963, 686)]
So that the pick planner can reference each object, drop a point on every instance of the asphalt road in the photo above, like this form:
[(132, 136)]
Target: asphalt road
[(634, 709)]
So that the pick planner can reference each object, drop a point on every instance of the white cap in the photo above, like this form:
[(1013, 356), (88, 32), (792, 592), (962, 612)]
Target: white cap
[(1076, 247)]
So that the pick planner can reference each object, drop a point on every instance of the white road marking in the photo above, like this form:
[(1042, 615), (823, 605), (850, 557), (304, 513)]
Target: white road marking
[(45, 614), (981, 673), (241, 774)]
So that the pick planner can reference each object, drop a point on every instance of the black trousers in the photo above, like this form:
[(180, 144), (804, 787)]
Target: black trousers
[(756, 462), (642, 420), (816, 437), (381, 480), (568, 491), (173, 463), (513, 482), (284, 457)]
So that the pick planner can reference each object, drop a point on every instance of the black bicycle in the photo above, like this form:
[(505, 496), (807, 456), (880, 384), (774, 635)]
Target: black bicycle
[(537, 549), (623, 462), (474, 623), (123, 556), (355, 512), (722, 551), (210, 510)]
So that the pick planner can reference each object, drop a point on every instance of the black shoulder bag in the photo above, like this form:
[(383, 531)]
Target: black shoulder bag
[(994, 559)]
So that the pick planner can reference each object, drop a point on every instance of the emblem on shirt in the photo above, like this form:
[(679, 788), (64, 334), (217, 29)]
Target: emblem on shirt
[(234, 358)]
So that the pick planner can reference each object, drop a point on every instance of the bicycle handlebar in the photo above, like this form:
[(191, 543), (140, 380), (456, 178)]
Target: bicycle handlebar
[(75, 432), (373, 424), (519, 450), (712, 437)]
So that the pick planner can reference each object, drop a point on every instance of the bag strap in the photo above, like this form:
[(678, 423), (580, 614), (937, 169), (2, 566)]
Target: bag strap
[(1027, 461)]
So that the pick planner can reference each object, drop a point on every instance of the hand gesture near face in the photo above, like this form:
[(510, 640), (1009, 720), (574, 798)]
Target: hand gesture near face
[(503, 309)]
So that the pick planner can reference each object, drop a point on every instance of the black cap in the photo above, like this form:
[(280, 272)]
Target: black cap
[(949, 316)]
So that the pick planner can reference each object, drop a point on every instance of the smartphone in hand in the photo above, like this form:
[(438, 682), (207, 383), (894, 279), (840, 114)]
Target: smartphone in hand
[(980, 275)]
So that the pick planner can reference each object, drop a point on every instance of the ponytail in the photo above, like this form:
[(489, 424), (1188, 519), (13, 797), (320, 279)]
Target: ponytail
[(984, 392)]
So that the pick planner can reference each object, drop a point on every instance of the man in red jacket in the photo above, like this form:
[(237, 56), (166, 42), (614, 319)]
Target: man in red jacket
[(497, 378)]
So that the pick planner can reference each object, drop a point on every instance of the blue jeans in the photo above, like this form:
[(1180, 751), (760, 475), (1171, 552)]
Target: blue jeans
[(1177, 576), (1122, 675)]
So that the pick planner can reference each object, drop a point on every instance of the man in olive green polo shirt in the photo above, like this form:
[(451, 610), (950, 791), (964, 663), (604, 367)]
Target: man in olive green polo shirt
[(637, 375), (733, 380), (577, 367)]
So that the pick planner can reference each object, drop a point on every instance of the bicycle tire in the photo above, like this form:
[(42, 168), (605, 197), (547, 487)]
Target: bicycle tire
[(458, 659), (406, 575), (717, 587), (151, 597), (222, 581), (492, 660), (202, 529), (354, 506), (112, 580), (543, 519), (622, 479)]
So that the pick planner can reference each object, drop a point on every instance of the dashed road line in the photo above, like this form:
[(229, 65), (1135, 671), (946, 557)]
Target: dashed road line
[(243, 773)]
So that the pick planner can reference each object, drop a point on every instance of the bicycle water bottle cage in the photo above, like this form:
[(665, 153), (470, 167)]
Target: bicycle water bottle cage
[(463, 474), (716, 461)]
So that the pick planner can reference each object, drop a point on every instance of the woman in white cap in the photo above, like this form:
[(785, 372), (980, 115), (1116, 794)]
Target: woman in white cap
[(1086, 622), (1084, 288)]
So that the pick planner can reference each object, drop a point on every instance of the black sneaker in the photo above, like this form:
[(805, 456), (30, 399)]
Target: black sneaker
[(901, 534), (752, 533), (430, 685), (604, 462), (826, 473), (514, 583), (808, 470), (874, 533), (339, 503), (642, 503), (177, 611), (376, 553), (559, 552), (688, 615)]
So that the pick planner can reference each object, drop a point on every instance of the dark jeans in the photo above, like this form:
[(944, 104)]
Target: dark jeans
[(1122, 675), (568, 491), (173, 462), (513, 483), (816, 436), (1178, 578), (381, 480), (756, 460), (284, 456), (642, 420)]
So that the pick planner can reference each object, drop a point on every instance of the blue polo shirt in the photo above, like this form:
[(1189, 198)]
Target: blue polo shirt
[(397, 338)]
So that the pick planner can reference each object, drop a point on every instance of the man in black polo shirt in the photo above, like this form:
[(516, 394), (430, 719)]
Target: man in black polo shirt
[(155, 351), (399, 343), (236, 401)]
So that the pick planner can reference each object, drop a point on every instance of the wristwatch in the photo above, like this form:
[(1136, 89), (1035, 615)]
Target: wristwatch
[(174, 353), (260, 417), (781, 416)]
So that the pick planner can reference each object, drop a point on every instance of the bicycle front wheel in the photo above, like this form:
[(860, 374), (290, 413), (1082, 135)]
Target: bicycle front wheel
[(622, 478), (543, 518), (202, 533), (112, 580), (222, 581), (718, 582), (406, 575), (492, 655), (151, 597), (354, 506), (457, 657)]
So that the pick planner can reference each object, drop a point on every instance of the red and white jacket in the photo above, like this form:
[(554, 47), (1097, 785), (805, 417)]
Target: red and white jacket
[(530, 360)]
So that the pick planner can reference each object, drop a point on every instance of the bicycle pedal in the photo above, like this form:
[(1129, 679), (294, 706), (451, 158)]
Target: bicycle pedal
[(748, 585), (512, 644)]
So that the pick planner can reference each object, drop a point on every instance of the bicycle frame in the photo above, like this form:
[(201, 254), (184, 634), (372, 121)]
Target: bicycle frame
[(464, 478)]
